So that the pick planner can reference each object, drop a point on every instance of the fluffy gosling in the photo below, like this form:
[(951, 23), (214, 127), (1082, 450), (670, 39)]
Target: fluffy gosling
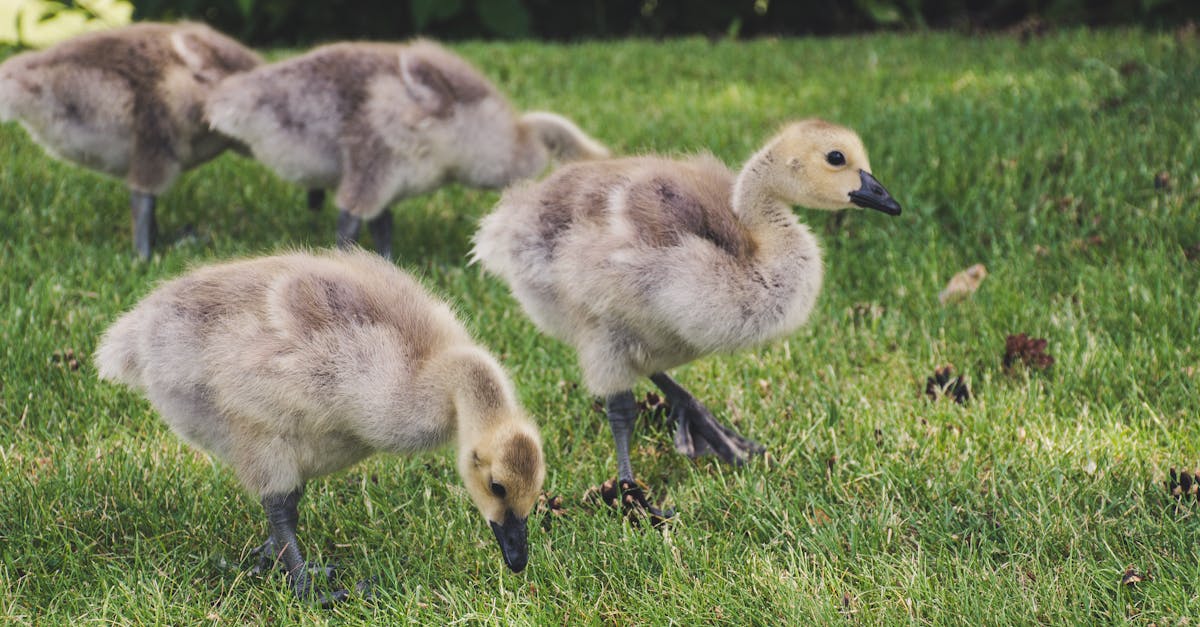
[(126, 102), (644, 264), (384, 121), (295, 366)]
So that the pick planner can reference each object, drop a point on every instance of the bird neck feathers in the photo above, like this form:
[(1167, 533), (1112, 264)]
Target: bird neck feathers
[(756, 203), (479, 392)]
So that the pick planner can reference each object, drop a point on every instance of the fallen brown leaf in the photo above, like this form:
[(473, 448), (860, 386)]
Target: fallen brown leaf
[(1132, 576), (963, 284)]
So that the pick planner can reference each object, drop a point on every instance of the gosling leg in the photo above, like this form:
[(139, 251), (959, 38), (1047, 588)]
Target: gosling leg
[(145, 230), (381, 232), (348, 227), (282, 516), (697, 432), (316, 199), (622, 410)]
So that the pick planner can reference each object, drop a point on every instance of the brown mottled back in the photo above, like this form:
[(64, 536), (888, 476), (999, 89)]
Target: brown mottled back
[(674, 199), (344, 69), (320, 303), (453, 79), (576, 193)]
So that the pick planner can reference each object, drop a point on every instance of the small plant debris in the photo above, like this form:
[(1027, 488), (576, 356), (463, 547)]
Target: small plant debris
[(1162, 181), (653, 406), (629, 498), (551, 507), (1184, 485), (1030, 351), (65, 358), (866, 311), (1130, 68), (943, 384), (1086, 243), (963, 284), (1132, 577)]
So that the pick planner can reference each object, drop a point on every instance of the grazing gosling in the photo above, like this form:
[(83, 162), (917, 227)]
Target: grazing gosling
[(126, 102), (295, 366), (384, 121), (643, 264)]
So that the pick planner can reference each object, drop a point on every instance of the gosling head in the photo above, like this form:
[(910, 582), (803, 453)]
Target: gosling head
[(503, 471), (824, 166)]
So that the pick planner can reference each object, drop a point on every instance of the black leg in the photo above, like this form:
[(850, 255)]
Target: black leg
[(348, 227), (316, 199), (697, 432), (145, 230), (622, 410), (282, 517), (381, 232)]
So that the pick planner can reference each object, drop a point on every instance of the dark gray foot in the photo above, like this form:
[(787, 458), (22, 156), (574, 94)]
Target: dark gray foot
[(145, 230), (622, 410), (284, 548), (316, 199), (381, 232), (697, 432), (267, 559), (348, 227)]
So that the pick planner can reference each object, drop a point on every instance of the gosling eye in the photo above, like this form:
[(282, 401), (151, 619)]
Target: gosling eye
[(835, 158), (498, 490)]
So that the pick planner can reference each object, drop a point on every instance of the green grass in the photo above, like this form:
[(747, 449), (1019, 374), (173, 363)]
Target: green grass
[(874, 504)]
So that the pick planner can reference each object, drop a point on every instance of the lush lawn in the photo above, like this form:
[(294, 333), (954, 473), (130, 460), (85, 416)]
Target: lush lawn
[(874, 504)]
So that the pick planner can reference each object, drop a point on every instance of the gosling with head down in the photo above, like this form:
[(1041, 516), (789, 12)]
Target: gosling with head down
[(295, 366), (644, 264), (126, 102), (381, 122)]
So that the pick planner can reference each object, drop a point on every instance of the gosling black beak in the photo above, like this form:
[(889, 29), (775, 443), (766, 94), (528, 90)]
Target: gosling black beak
[(873, 195), (513, 537)]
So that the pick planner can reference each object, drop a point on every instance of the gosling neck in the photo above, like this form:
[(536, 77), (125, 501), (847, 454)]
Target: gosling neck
[(479, 393), (757, 206)]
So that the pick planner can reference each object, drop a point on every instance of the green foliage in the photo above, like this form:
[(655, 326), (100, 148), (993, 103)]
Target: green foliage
[(1037, 158), (292, 22), (41, 23)]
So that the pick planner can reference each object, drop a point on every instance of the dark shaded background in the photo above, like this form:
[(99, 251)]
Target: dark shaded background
[(303, 22)]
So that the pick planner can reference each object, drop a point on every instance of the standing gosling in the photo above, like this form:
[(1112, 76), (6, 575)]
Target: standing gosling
[(126, 102), (384, 121), (295, 366), (643, 264)]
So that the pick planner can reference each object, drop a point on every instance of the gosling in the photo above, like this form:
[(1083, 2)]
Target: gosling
[(644, 264), (126, 102), (381, 122), (295, 366)]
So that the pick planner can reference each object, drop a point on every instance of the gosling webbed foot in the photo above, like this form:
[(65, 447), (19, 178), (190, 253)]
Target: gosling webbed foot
[(267, 559), (630, 498), (698, 432)]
